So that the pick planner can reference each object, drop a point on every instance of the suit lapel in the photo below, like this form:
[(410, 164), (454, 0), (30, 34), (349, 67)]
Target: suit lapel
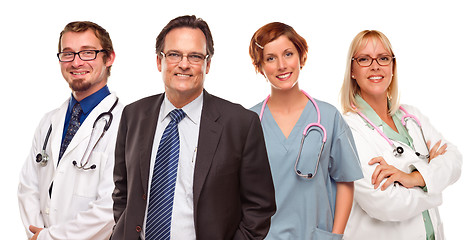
[(209, 135), (147, 127)]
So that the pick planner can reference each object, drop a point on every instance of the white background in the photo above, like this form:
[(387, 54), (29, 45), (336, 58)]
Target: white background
[(433, 41)]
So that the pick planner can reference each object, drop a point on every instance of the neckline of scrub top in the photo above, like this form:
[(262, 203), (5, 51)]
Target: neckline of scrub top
[(401, 135), (296, 131)]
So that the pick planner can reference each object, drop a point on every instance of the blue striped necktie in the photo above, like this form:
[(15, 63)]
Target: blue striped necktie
[(162, 188)]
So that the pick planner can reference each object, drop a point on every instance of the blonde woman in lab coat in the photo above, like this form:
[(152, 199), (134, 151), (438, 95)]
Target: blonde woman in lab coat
[(405, 167)]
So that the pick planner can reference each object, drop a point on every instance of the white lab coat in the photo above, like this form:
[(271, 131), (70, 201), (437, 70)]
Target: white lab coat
[(81, 203), (396, 213)]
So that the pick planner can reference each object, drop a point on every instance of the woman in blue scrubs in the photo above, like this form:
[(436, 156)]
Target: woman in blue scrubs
[(313, 185)]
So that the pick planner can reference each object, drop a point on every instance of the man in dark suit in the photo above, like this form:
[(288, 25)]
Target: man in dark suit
[(223, 186)]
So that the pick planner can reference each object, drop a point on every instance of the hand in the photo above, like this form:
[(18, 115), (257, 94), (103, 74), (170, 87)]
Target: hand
[(392, 175), (35, 231), (435, 151)]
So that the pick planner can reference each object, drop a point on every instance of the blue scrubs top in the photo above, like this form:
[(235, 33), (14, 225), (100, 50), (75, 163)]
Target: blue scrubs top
[(306, 207)]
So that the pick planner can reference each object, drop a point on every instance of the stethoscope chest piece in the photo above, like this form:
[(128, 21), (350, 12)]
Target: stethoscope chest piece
[(42, 158), (398, 151)]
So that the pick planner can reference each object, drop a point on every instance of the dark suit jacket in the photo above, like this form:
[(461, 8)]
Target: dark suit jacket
[(233, 189)]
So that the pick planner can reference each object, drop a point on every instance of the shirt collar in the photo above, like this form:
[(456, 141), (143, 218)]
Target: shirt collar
[(368, 111), (192, 109), (90, 102), (402, 135)]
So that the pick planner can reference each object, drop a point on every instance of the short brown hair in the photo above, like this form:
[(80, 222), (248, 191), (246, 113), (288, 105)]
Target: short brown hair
[(189, 22), (100, 32), (269, 33)]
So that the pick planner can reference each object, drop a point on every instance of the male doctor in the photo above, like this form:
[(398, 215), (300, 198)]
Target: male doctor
[(66, 182)]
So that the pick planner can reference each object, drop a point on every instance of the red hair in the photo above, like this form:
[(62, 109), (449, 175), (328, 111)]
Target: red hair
[(269, 33)]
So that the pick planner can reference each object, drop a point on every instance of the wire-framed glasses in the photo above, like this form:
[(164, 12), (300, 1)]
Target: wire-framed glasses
[(176, 57)]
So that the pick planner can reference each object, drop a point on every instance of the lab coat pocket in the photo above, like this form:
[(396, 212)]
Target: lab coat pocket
[(87, 181), (319, 234)]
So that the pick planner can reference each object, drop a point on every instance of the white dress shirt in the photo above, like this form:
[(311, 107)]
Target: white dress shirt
[(182, 223)]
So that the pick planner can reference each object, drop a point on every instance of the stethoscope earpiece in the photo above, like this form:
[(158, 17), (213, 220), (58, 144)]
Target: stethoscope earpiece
[(93, 166)]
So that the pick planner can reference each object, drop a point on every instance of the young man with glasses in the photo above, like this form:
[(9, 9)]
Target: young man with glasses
[(190, 165), (66, 184)]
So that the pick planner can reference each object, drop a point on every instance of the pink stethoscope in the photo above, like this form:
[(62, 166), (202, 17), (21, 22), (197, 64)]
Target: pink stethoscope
[(398, 151), (304, 134)]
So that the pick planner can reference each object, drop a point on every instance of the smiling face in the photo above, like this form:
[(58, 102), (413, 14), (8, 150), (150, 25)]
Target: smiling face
[(281, 64), (84, 77), (375, 79), (183, 81)]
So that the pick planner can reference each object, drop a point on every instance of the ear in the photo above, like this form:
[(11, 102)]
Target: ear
[(110, 59), (159, 63), (208, 65), (303, 61)]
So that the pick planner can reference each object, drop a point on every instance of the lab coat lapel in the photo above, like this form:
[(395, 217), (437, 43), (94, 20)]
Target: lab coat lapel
[(147, 131), (208, 139), (86, 130), (57, 122)]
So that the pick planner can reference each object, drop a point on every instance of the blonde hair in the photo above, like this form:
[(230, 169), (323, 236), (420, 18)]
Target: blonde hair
[(350, 87)]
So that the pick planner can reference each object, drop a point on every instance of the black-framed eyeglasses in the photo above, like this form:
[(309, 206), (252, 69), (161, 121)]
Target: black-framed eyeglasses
[(366, 61), (176, 57), (85, 55)]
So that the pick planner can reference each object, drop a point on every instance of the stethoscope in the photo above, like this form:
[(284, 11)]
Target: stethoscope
[(398, 150), (42, 157), (304, 135)]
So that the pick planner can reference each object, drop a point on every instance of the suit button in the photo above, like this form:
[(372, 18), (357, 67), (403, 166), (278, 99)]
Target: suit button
[(144, 196), (138, 229)]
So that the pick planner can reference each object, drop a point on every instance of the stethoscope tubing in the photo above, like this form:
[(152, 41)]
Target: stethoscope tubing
[(42, 158), (397, 150), (304, 134), (104, 130)]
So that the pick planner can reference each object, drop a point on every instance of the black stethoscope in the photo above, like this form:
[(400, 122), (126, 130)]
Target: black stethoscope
[(42, 157)]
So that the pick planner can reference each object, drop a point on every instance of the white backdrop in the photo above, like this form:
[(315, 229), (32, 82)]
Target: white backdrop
[(433, 41)]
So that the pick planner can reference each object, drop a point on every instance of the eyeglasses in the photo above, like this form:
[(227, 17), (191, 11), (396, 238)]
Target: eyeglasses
[(85, 55), (176, 57), (366, 61)]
